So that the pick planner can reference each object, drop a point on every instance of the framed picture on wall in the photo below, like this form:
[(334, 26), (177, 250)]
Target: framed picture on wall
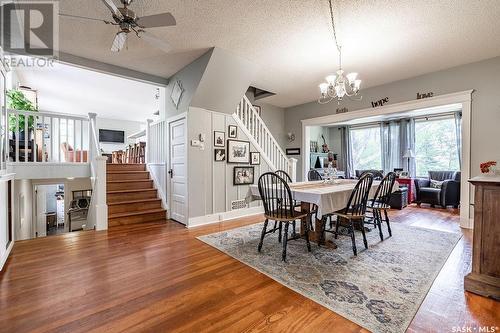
[(233, 131), (255, 158), (219, 155), (219, 139), (293, 151), (243, 176), (238, 151)]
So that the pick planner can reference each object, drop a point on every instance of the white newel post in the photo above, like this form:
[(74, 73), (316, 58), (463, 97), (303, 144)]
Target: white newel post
[(101, 208), (92, 143), (292, 169), (148, 140)]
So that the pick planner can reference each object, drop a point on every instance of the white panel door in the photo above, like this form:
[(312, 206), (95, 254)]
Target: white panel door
[(41, 211), (178, 171)]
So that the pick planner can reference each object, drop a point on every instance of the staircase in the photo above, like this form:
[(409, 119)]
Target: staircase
[(131, 196), (259, 135)]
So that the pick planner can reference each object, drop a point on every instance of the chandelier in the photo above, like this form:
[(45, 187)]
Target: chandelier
[(340, 85)]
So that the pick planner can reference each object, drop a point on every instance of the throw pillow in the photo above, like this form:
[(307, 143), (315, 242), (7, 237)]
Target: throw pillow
[(436, 184)]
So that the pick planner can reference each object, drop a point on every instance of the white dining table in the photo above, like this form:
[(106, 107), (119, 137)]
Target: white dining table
[(328, 196)]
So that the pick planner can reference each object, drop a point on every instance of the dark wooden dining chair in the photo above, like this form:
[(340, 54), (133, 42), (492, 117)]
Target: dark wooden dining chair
[(380, 204), (283, 174), (278, 206), (353, 215), (313, 175)]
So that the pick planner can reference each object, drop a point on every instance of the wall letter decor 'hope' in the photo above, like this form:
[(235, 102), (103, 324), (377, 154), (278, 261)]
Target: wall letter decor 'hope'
[(380, 102)]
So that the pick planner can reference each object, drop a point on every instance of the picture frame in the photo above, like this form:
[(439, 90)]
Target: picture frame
[(293, 151), (255, 158), (219, 139), (398, 171), (233, 131), (176, 94), (219, 155), (238, 151), (243, 175)]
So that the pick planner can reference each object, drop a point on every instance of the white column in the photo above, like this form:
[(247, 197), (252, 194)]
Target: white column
[(92, 138), (292, 169), (148, 140), (101, 207)]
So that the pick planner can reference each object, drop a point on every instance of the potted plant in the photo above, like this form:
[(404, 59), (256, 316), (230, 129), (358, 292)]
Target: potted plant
[(17, 101)]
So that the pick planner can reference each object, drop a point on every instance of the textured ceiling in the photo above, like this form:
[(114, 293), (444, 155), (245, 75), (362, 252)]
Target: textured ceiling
[(290, 40), (68, 89)]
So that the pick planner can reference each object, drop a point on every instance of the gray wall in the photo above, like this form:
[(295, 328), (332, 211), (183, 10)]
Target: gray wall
[(210, 183), (224, 82), (190, 77), (482, 76)]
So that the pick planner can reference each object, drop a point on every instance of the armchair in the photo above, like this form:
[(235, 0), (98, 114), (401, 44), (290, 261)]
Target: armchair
[(71, 155), (441, 188)]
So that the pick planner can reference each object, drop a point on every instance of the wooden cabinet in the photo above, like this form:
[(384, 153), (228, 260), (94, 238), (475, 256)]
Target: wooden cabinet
[(485, 276), (410, 184)]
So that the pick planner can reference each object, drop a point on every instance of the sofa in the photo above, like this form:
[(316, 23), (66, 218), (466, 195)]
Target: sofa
[(441, 188)]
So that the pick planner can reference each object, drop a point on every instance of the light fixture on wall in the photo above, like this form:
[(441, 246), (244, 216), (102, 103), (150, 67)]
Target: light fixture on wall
[(340, 85), (291, 137)]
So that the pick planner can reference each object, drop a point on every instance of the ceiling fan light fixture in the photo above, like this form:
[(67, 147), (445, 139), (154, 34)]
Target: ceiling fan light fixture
[(119, 41)]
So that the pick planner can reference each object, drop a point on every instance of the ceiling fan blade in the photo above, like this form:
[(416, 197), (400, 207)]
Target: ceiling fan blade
[(119, 41), (83, 18), (112, 7), (154, 41), (158, 20)]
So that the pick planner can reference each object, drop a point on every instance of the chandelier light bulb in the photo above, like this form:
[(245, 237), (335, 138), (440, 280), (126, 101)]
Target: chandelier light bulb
[(323, 88), (331, 79), (352, 77)]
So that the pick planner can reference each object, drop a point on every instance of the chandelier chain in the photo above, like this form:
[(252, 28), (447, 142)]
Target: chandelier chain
[(333, 26)]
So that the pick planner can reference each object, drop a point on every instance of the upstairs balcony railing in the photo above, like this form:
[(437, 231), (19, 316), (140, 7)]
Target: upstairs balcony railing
[(43, 137)]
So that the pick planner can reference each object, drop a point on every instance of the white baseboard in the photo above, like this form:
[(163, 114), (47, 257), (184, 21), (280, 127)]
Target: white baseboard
[(231, 215)]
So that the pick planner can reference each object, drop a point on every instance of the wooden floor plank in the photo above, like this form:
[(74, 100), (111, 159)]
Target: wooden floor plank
[(158, 277)]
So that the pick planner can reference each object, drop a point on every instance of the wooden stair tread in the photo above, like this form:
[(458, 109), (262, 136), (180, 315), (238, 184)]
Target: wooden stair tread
[(133, 201), (129, 181), (114, 172), (141, 212), (131, 191)]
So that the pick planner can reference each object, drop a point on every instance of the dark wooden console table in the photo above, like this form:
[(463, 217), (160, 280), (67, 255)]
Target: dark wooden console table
[(485, 276)]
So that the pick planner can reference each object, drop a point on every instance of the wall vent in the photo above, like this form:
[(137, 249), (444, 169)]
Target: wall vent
[(238, 204)]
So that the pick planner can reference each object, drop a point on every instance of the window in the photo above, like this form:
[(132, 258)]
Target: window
[(366, 148), (435, 145)]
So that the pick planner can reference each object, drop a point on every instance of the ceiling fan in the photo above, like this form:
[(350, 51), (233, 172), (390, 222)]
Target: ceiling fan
[(128, 22)]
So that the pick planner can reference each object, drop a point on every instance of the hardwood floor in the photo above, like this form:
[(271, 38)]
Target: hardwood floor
[(158, 278)]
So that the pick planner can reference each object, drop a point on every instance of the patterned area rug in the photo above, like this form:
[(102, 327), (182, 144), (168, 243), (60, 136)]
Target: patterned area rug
[(381, 289)]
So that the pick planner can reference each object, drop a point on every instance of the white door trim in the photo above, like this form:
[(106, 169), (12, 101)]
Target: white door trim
[(463, 99), (167, 176)]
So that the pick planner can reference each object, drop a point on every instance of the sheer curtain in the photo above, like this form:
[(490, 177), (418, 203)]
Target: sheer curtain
[(392, 154), (346, 156), (458, 135), (407, 141)]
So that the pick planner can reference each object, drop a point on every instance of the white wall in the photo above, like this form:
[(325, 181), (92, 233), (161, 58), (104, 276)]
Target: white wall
[(23, 211), (5, 246), (210, 183), (130, 127)]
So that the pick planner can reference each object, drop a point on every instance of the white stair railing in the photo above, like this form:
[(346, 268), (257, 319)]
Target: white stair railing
[(156, 142), (46, 137), (260, 136), (97, 216)]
